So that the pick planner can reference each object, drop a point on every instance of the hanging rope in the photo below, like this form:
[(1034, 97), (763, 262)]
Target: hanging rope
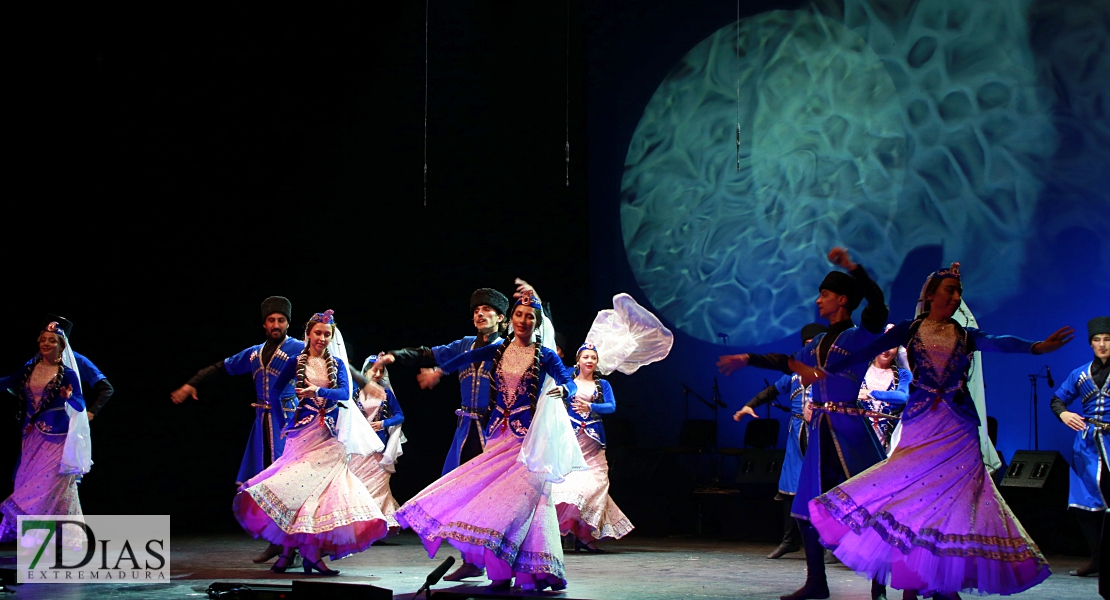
[(567, 124), (426, 103), (737, 86)]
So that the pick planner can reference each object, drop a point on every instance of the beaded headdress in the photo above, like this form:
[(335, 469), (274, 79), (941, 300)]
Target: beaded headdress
[(528, 298), (327, 317), (587, 346), (58, 325), (952, 272), (56, 328)]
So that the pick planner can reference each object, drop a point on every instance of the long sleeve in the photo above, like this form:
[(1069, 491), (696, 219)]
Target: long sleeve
[(339, 392), (1000, 343), (765, 396), (212, 371), (900, 395), (875, 314), (101, 392), (76, 399), (551, 364), (420, 356), (476, 355), (396, 415), (773, 362), (1058, 407), (608, 404), (897, 336)]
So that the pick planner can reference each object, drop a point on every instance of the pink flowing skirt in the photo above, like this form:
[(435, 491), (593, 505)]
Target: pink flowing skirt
[(39, 489), (582, 500), (496, 512), (310, 497), (929, 517), (376, 479)]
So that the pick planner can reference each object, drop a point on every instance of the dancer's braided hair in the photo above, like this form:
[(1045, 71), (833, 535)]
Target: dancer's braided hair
[(534, 384)]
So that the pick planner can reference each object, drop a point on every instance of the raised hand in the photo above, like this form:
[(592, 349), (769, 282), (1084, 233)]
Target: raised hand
[(1053, 342), (523, 286), (731, 362), (839, 256)]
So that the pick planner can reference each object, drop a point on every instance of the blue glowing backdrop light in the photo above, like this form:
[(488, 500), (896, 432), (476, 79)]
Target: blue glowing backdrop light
[(915, 133)]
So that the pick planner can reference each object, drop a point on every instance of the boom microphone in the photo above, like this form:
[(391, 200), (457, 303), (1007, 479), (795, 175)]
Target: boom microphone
[(1051, 383), (435, 576)]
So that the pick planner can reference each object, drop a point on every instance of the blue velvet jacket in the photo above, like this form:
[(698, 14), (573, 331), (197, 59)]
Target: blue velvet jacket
[(515, 417), (590, 423), (324, 407), (49, 414)]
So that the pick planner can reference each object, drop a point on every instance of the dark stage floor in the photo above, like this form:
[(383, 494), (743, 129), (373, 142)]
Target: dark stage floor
[(637, 567)]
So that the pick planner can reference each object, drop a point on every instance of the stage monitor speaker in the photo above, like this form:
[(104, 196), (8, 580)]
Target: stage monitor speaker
[(759, 465), (334, 590), (1044, 470)]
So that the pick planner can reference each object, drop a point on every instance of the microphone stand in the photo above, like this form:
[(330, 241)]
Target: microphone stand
[(1033, 377), (686, 391)]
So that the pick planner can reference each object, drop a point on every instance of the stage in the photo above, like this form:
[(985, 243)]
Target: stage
[(635, 568)]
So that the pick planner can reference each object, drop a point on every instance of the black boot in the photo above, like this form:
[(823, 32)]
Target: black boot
[(791, 536), (1091, 524), (816, 586), (878, 590)]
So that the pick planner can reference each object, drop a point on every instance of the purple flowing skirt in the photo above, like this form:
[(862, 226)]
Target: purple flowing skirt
[(929, 517), (496, 512)]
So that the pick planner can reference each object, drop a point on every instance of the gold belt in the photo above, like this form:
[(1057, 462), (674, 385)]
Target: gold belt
[(1102, 426), (852, 411)]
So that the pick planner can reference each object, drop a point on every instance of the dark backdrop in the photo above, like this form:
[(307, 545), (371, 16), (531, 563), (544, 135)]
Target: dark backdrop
[(172, 167)]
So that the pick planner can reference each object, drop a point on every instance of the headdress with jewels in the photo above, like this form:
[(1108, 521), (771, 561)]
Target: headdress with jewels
[(587, 346), (952, 272), (528, 298), (58, 325), (327, 317)]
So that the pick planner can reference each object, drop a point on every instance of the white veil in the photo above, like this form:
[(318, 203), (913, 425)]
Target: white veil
[(77, 451), (352, 428), (549, 445)]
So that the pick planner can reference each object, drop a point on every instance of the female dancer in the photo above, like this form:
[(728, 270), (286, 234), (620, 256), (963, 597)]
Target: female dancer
[(309, 499), (623, 338), (55, 450), (379, 404), (496, 508), (884, 390), (582, 500), (929, 517)]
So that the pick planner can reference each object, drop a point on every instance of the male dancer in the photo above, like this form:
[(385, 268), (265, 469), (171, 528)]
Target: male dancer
[(94, 385), (796, 440), (842, 443), (488, 307), (1090, 478), (264, 362)]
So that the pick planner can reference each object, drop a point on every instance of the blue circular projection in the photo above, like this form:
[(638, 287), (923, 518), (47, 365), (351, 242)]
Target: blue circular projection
[(879, 130)]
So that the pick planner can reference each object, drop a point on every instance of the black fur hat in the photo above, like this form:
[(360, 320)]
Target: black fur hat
[(277, 304), (1096, 326), (489, 297), (64, 324), (844, 284)]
